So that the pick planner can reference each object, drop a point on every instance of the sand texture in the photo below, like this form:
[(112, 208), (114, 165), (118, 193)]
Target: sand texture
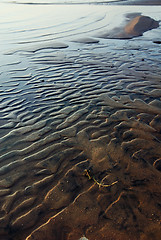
[(80, 127)]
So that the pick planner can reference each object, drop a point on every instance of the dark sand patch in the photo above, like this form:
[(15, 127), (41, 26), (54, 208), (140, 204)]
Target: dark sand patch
[(87, 40), (157, 42), (138, 2), (36, 47)]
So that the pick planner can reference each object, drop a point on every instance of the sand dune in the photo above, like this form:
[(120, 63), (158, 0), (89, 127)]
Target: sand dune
[(139, 25), (133, 28)]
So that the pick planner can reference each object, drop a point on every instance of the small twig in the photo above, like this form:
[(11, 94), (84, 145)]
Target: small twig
[(90, 177)]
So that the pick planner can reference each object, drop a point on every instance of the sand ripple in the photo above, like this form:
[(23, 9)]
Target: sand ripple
[(93, 107)]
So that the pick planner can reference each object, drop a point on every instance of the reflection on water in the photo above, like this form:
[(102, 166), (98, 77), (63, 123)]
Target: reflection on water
[(80, 125)]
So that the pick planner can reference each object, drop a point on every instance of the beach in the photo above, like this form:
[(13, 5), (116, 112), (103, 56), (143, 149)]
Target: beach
[(80, 120)]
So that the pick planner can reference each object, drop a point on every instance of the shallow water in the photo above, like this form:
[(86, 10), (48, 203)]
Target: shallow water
[(71, 102)]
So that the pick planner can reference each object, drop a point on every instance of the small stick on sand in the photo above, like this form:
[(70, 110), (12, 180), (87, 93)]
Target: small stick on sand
[(90, 177)]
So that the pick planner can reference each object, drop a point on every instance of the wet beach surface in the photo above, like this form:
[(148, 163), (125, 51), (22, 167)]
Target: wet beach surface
[(80, 124)]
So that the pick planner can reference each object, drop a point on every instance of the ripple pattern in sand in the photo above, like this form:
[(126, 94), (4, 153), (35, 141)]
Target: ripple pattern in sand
[(65, 111)]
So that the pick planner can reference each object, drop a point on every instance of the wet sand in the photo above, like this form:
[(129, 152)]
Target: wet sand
[(80, 124)]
